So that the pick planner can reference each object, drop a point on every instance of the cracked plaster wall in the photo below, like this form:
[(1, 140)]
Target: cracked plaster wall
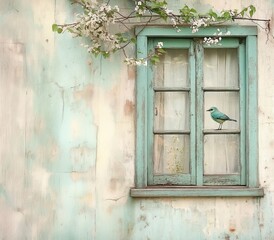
[(67, 140)]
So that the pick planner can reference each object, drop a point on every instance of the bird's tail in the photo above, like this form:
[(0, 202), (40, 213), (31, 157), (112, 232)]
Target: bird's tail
[(232, 120)]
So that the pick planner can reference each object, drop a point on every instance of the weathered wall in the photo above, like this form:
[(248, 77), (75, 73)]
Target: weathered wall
[(67, 141)]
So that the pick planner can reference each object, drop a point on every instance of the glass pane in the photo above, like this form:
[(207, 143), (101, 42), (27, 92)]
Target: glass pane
[(171, 154), (171, 111), (221, 68), (227, 103), (221, 154), (172, 70)]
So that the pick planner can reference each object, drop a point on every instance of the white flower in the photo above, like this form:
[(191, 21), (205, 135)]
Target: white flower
[(160, 45), (116, 8), (197, 23), (173, 21), (141, 12), (108, 8), (136, 62), (130, 61), (194, 29), (168, 11), (210, 41)]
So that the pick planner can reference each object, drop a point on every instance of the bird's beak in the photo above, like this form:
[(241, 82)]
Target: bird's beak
[(208, 110)]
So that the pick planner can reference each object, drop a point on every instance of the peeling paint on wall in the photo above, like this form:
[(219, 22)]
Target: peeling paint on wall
[(67, 141)]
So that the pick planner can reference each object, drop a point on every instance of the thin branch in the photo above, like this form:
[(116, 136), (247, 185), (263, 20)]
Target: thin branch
[(146, 23), (179, 16), (252, 19), (68, 24), (76, 2), (124, 51), (122, 16), (121, 22)]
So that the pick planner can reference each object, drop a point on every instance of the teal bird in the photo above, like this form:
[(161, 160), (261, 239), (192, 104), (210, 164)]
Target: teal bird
[(219, 117)]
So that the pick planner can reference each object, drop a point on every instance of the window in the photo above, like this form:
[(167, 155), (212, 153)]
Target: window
[(179, 152)]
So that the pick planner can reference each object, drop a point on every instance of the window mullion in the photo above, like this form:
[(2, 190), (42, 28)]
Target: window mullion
[(192, 82), (199, 55), (242, 82)]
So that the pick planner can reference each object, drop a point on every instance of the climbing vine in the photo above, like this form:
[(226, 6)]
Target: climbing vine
[(107, 30)]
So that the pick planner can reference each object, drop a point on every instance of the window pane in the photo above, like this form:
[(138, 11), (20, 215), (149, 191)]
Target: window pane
[(171, 111), (221, 154), (172, 70), (221, 68), (171, 154), (227, 103)]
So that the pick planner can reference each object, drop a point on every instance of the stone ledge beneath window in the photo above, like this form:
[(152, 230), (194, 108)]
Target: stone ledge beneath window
[(152, 192)]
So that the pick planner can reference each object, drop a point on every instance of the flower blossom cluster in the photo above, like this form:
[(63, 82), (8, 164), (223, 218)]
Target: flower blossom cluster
[(200, 22), (136, 62), (97, 18), (140, 8), (143, 61), (160, 45), (94, 24), (212, 40), (216, 39), (168, 11)]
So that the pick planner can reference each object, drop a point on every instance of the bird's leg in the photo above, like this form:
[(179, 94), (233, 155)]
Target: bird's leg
[(219, 126)]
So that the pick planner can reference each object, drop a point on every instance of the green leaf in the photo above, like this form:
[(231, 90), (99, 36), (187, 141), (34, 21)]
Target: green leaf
[(133, 40), (226, 15), (252, 10), (160, 50), (105, 54), (243, 12), (188, 14), (54, 27), (155, 59), (193, 11), (213, 14)]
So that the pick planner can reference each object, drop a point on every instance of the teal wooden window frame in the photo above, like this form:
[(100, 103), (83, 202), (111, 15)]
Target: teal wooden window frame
[(195, 183)]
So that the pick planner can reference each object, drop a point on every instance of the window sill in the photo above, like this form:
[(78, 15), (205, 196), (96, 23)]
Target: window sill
[(152, 192)]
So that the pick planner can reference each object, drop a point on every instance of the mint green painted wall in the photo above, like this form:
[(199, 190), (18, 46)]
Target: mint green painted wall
[(67, 141)]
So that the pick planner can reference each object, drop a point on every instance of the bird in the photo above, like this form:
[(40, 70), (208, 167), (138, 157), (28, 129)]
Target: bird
[(219, 117)]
